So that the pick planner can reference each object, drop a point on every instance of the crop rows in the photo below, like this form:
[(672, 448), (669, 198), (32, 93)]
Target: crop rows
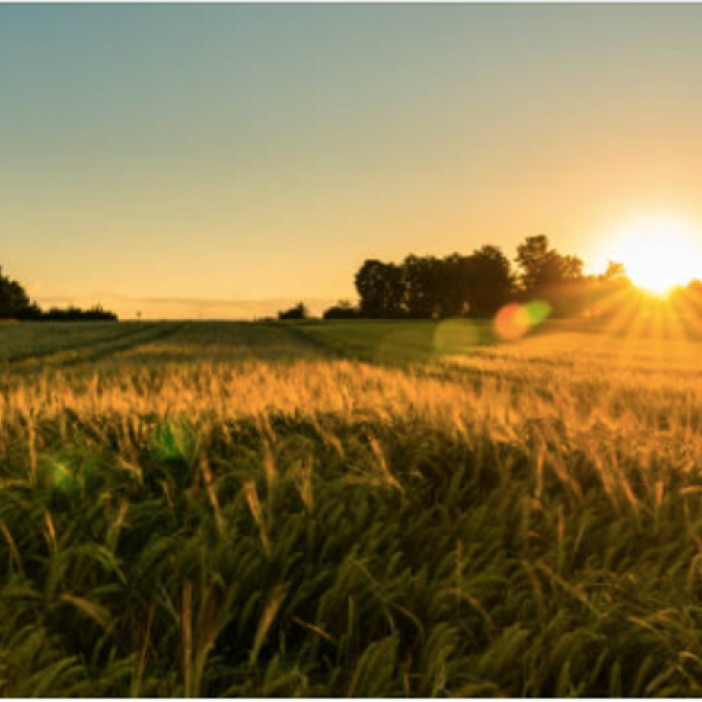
[(232, 510)]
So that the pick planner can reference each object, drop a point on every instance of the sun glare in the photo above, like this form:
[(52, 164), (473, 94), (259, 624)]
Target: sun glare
[(658, 255)]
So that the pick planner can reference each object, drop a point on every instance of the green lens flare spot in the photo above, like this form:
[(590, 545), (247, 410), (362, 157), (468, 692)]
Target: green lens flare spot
[(538, 311)]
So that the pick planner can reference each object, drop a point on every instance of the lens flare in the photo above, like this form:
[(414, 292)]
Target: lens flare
[(538, 311), (514, 320)]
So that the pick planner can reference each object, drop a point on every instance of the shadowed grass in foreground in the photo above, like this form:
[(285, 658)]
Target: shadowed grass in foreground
[(205, 523)]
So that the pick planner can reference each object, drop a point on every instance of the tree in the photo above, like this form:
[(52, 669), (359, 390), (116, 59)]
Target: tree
[(299, 311), (15, 304), (423, 282), (76, 314), (455, 283), (615, 271), (342, 310), (14, 301), (426, 287), (531, 258), (491, 281), (380, 288), (549, 275), (543, 267)]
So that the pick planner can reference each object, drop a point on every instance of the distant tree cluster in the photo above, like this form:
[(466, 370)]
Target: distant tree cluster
[(16, 304), (426, 287), (477, 284), (342, 310), (299, 311), (75, 314)]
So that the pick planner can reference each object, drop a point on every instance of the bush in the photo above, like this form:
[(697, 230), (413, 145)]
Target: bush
[(342, 310), (300, 311), (75, 314)]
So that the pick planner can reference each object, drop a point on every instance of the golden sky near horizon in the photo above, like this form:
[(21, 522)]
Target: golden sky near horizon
[(196, 154)]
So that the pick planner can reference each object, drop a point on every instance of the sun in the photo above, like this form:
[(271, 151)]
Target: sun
[(658, 254)]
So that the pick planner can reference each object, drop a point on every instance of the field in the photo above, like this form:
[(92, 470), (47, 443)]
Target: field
[(348, 509)]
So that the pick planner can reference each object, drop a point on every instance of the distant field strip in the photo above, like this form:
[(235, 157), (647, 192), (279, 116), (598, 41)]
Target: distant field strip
[(21, 342), (474, 348), (226, 342), (92, 348)]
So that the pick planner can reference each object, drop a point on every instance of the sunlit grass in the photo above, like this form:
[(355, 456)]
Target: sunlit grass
[(367, 509)]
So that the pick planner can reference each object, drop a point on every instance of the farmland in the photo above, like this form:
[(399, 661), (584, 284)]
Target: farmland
[(348, 509)]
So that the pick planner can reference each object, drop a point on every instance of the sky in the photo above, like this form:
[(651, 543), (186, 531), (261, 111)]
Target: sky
[(220, 160)]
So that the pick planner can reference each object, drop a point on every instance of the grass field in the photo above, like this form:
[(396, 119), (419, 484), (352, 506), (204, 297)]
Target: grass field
[(348, 509)]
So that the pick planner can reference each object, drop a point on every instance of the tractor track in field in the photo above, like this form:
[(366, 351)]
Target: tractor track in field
[(87, 352), (323, 346), (47, 353), (160, 331)]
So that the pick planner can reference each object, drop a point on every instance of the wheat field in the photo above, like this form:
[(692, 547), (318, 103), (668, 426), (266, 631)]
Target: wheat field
[(353, 509)]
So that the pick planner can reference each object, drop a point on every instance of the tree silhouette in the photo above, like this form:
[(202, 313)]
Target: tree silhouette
[(549, 275), (426, 287), (455, 281), (15, 304), (490, 281), (75, 314), (14, 301), (299, 311), (381, 289), (544, 268), (342, 310), (615, 271), (422, 282)]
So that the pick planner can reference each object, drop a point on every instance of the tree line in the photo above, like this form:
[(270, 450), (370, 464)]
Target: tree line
[(15, 303), (478, 284)]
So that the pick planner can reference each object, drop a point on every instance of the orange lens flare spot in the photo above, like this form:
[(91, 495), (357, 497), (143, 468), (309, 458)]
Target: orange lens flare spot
[(514, 320)]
